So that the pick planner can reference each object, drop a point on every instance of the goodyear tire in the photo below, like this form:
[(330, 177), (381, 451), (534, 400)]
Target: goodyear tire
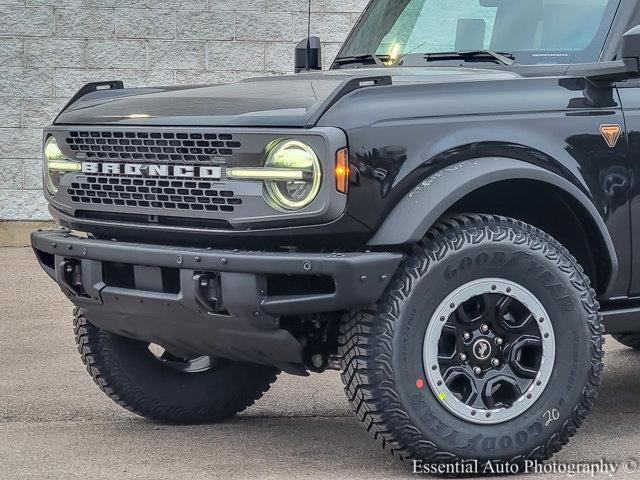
[(164, 388), (487, 346)]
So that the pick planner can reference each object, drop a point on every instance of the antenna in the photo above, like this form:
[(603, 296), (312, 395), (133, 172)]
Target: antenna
[(309, 38)]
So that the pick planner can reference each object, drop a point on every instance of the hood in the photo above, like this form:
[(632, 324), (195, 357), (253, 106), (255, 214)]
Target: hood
[(277, 101)]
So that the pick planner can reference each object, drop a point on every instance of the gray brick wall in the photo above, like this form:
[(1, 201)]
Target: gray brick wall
[(50, 48)]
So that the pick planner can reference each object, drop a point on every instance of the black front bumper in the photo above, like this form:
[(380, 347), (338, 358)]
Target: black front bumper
[(204, 301)]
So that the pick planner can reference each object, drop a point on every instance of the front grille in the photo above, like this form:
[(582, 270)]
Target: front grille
[(186, 195), (154, 146)]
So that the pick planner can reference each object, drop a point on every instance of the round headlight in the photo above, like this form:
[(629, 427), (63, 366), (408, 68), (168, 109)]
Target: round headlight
[(292, 156), (56, 165)]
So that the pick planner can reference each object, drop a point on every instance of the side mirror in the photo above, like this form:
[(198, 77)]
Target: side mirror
[(625, 68), (631, 44), (308, 55)]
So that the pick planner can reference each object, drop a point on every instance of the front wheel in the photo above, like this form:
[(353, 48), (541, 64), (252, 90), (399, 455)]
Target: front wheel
[(487, 346), (149, 381)]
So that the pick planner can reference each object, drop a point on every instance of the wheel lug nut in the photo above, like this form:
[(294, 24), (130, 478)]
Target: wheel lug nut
[(477, 370), (495, 362), (499, 341), (463, 357), (466, 336), (484, 328)]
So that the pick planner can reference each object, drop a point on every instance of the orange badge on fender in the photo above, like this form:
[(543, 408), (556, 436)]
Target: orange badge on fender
[(611, 134)]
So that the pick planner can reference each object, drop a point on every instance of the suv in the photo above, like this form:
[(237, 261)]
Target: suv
[(448, 216)]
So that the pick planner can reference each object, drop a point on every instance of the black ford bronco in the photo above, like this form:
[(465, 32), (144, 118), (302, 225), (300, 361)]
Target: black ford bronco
[(450, 215)]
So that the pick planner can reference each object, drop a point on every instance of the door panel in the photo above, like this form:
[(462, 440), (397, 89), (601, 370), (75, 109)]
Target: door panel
[(630, 98)]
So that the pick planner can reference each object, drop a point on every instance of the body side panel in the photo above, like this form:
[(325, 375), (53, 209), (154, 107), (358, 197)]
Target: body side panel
[(630, 97), (400, 135)]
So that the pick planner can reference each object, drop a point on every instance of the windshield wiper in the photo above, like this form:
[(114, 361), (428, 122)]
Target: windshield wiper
[(500, 57), (379, 60)]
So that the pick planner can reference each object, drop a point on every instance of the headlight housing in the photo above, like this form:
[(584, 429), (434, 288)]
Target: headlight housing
[(56, 165), (292, 174), (293, 156)]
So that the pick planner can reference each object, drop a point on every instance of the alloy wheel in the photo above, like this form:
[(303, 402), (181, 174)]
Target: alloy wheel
[(489, 351)]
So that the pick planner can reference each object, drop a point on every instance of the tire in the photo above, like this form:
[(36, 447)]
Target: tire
[(631, 340), (128, 373), (383, 361)]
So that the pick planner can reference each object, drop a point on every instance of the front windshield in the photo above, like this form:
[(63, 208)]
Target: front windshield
[(533, 31)]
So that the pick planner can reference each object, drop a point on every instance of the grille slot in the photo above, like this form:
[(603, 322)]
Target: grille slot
[(151, 146), (169, 194)]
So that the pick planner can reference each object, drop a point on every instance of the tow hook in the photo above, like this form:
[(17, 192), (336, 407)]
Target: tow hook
[(71, 277), (208, 290)]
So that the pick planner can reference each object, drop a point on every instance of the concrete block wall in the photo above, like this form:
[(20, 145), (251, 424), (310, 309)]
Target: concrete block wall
[(50, 48)]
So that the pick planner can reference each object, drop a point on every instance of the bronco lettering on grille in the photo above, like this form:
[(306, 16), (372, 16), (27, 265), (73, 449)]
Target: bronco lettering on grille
[(150, 170)]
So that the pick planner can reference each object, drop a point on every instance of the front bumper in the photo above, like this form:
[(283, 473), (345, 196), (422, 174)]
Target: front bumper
[(203, 301)]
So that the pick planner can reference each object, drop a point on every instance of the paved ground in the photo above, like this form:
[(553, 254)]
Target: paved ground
[(55, 423)]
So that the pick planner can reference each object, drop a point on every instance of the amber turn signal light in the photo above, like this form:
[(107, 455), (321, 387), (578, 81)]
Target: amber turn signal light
[(342, 170)]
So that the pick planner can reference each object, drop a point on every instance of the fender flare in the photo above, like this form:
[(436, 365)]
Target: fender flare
[(421, 208)]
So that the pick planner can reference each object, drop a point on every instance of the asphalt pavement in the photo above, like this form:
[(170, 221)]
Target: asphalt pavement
[(55, 423)]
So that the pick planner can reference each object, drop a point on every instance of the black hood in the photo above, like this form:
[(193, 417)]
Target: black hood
[(278, 101)]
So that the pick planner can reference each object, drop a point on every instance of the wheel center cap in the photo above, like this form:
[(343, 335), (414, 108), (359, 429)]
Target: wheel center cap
[(482, 349)]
